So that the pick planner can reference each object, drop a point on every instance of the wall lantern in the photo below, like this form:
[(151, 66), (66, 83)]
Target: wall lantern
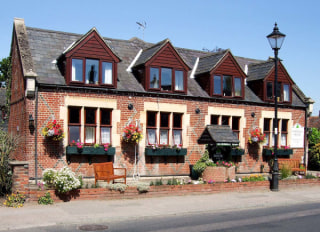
[(31, 123), (253, 114), (130, 106), (197, 111)]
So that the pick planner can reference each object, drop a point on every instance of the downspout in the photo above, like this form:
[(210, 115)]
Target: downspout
[(36, 136)]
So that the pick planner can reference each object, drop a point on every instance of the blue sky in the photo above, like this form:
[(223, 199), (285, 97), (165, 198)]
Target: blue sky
[(240, 25)]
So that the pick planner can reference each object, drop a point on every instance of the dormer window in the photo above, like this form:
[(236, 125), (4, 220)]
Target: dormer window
[(166, 79), (283, 92), (227, 86), (92, 74)]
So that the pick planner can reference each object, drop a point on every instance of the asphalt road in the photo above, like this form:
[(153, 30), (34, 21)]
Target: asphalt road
[(294, 218)]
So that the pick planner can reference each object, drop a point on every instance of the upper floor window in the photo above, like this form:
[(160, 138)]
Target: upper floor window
[(283, 92), (167, 79), (227, 86), (92, 72)]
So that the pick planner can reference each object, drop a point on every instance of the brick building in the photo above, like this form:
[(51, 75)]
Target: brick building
[(95, 86)]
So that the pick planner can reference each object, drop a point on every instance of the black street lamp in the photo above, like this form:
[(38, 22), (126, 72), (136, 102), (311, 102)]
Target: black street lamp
[(276, 39)]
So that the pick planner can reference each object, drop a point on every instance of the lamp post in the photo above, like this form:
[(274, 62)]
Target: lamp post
[(276, 39)]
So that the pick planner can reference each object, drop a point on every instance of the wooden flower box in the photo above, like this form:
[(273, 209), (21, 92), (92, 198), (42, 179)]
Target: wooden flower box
[(166, 152), (280, 152), (237, 152), (88, 151)]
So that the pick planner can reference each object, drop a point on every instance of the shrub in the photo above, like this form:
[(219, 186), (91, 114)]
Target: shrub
[(46, 199), (314, 157), (252, 178), (173, 181), (118, 187), (143, 187), (15, 200), (158, 182), (285, 172), (48, 176), (310, 176), (8, 144)]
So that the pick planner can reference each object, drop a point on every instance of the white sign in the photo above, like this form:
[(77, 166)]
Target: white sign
[(297, 136)]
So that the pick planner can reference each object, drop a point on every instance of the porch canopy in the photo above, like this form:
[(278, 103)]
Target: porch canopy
[(219, 135)]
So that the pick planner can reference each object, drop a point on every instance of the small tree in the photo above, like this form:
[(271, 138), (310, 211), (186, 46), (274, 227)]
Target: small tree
[(313, 137), (314, 149), (7, 145)]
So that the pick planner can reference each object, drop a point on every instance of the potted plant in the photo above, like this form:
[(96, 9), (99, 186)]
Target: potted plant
[(53, 131), (256, 136), (132, 134)]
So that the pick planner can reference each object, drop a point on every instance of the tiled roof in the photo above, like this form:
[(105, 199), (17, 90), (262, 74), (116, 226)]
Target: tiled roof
[(207, 63), (314, 122), (47, 46), (218, 134), (258, 71)]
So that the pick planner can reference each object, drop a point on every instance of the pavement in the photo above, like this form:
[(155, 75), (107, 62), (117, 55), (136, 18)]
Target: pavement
[(99, 211)]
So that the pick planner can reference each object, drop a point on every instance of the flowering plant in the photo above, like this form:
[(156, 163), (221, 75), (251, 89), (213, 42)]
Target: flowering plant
[(256, 136), (177, 146), (106, 146), (53, 130), (132, 133)]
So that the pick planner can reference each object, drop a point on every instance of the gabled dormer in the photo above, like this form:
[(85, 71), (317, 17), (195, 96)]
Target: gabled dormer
[(91, 62), (220, 75), (261, 81), (160, 68)]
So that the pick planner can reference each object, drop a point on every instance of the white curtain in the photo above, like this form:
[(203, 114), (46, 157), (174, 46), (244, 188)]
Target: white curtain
[(152, 136), (266, 143), (177, 138), (105, 135), (89, 135), (73, 72), (163, 137), (283, 139), (107, 75), (178, 80)]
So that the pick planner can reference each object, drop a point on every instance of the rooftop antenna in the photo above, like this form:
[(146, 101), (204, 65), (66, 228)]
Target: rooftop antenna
[(142, 25)]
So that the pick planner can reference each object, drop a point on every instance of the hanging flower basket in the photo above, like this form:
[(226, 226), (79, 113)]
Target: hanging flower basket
[(53, 131), (132, 134), (256, 136)]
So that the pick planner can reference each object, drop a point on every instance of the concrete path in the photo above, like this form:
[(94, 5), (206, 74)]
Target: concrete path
[(91, 212)]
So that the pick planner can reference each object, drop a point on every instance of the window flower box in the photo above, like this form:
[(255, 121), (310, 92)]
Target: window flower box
[(237, 152), (280, 152), (88, 151), (166, 152)]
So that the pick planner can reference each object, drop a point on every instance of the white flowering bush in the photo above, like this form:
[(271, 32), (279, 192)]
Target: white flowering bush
[(63, 180)]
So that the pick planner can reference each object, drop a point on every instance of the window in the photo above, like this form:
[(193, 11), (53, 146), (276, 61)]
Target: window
[(88, 71), (266, 130), (217, 85), (151, 128), (286, 92), (74, 124), (105, 126), (90, 126), (269, 90), (227, 86), (177, 129), (236, 125), (237, 87), (214, 119), (225, 120), (167, 79), (164, 128), (284, 132)]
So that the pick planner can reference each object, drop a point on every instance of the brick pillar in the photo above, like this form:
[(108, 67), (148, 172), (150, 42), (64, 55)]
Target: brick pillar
[(20, 177)]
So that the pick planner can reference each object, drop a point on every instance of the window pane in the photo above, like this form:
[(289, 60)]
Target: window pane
[(237, 87), (151, 117), (217, 85), (227, 86), (235, 123), (107, 73), (105, 135), (269, 90), (279, 90), (74, 115), (177, 137), (266, 124), (92, 71), (74, 134), (151, 136), (286, 93), (166, 79), (179, 80), (273, 140), (77, 70), (283, 139), (90, 131), (214, 119), (90, 116), (177, 120), (266, 143), (163, 137), (105, 117), (154, 78), (225, 120), (164, 120)]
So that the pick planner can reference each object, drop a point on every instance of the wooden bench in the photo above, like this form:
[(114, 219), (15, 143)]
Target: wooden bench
[(105, 171), (293, 164)]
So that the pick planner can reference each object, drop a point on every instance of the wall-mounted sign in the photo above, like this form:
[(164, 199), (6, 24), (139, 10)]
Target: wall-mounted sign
[(297, 136)]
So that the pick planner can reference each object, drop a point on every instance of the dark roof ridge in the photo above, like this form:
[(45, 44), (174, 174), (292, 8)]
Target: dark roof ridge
[(262, 62), (216, 53)]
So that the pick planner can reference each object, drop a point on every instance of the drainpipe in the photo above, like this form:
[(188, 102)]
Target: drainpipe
[(36, 137)]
